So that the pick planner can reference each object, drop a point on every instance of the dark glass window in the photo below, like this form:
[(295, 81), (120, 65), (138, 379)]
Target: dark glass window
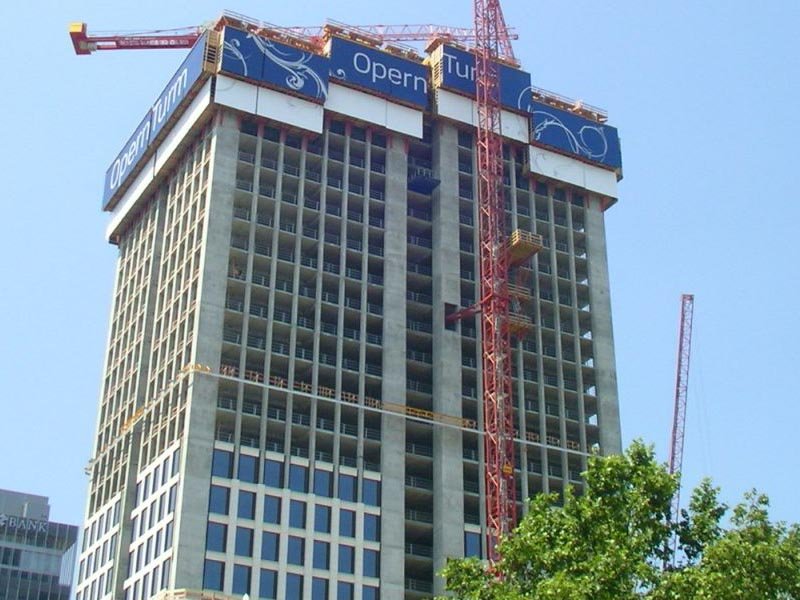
[(272, 509), (176, 461), (372, 492), (347, 487), (319, 589), (273, 473), (322, 552), (248, 468), (347, 560), (247, 505), (270, 544), (294, 587), (370, 593), (372, 563), (344, 591), (323, 483), (372, 528), (297, 514), (241, 579), (347, 523), (322, 518), (222, 464), (296, 550), (298, 478), (244, 541), (213, 575), (216, 534), (268, 584), (472, 544), (219, 500)]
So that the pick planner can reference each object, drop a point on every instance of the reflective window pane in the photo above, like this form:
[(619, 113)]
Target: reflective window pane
[(268, 584), (248, 468), (272, 509), (270, 543), (241, 579), (216, 534), (244, 541), (218, 500), (297, 514), (213, 575), (273, 473), (222, 463), (322, 519), (247, 505), (372, 528), (347, 523)]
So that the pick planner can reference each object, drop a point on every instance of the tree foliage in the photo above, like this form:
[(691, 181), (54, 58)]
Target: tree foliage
[(610, 543)]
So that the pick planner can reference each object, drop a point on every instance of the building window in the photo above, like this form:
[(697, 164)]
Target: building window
[(322, 555), (372, 563), (372, 492), (347, 523), (241, 579), (247, 505), (372, 528), (272, 509), (323, 483), (472, 544), (273, 473), (347, 487), (319, 589), (322, 518), (268, 584), (216, 534), (294, 587), (297, 514), (270, 544), (344, 591), (248, 468), (222, 464), (347, 559), (370, 593), (219, 500), (213, 575), (244, 541), (296, 551), (298, 478)]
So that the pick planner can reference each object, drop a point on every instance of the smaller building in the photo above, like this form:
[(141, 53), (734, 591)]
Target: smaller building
[(37, 556)]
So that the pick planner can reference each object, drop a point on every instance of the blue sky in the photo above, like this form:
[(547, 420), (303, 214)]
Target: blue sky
[(705, 99)]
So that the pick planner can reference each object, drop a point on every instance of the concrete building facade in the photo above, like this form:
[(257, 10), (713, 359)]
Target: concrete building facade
[(284, 411), (37, 555)]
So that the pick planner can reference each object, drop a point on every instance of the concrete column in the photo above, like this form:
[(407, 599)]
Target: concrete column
[(393, 451), (448, 481), (605, 368), (201, 389)]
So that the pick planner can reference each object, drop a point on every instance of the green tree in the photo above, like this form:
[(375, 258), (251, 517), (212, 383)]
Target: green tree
[(610, 542)]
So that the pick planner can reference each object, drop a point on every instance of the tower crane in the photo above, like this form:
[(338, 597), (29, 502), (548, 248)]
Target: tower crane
[(490, 40), (679, 412)]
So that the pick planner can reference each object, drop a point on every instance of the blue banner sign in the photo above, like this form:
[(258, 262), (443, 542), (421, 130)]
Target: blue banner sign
[(458, 74), (576, 135), (159, 114), (372, 70), (278, 65)]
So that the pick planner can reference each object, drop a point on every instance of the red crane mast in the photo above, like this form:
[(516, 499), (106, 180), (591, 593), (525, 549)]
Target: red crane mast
[(679, 413), (491, 37)]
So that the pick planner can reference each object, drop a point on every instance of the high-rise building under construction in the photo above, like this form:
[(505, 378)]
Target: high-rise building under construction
[(286, 410)]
